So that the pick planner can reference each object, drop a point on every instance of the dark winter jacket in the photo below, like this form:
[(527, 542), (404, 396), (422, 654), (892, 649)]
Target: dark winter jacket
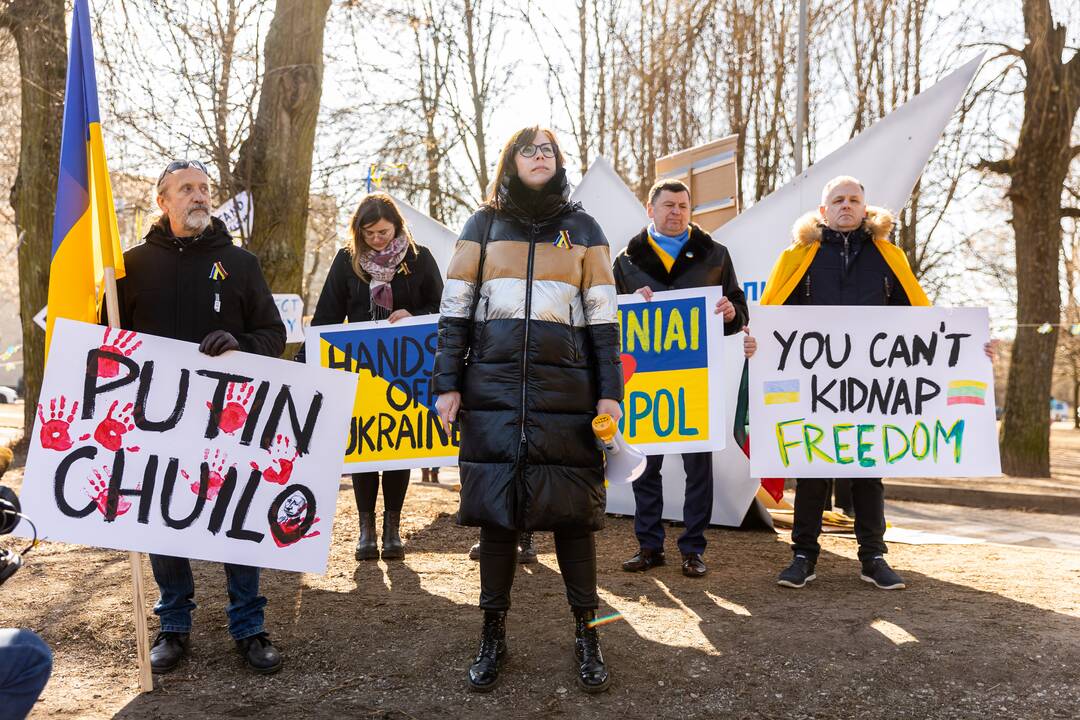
[(346, 297), (542, 350), (703, 262), (847, 269), (186, 291)]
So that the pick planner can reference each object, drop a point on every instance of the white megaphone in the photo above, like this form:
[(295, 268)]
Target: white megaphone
[(622, 463)]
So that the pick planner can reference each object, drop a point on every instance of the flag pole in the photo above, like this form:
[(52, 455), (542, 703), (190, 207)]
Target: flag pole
[(142, 634)]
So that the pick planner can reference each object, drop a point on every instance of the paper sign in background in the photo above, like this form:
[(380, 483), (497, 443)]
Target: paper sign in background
[(872, 392), (144, 443)]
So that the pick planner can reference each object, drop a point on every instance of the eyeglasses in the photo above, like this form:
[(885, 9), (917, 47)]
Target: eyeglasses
[(548, 150), (182, 165)]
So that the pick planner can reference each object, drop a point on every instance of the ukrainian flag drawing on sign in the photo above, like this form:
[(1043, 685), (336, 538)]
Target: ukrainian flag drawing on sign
[(672, 354), (394, 424), (778, 392), (86, 240)]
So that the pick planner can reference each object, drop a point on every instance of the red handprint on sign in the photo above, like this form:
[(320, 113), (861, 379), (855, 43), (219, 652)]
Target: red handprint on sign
[(282, 458), (110, 431), (54, 431), (98, 491), (235, 412), (215, 476), (123, 343)]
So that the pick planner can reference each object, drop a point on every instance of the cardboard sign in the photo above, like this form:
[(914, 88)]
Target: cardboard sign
[(144, 443), (872, 392), (291, 309), (673, 364), (393, 421)]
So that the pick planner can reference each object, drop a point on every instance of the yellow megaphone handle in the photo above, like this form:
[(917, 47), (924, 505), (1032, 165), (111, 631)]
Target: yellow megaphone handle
[(604, 428)]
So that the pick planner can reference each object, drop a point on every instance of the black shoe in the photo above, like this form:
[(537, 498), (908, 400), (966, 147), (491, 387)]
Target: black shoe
[(593, 676), (526, 549), (877, 571), (168, 650), (474, 552), (392, 547), (366, 549), (645, 559), (693, 566), (798, 573), (260, 653), (484, 671)]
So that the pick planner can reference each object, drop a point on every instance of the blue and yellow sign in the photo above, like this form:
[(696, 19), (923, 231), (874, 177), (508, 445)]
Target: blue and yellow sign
[(672, 353), (394, 424)]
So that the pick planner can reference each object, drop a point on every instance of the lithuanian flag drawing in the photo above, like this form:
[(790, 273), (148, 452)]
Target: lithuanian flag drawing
[(966, 392)]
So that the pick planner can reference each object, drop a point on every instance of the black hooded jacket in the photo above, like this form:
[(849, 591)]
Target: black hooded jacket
[(703, 262), (186, 290), (531, 365), (346, 297)]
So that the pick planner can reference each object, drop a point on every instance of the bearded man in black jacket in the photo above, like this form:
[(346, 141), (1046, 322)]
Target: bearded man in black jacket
[(673, 254), (188, 281)]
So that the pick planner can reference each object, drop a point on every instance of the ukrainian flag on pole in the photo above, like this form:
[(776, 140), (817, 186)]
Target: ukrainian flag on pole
[(86, 240)]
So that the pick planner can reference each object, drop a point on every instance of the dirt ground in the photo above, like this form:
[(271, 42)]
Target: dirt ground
[(982, 632)]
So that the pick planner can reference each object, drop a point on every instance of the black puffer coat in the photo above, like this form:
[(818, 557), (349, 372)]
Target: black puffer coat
[(542, 350)]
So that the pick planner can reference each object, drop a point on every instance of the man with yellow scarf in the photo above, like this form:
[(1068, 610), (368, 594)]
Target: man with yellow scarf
[(842, 254)]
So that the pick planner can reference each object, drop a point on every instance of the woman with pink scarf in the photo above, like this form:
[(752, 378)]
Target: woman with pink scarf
[(382, 275)]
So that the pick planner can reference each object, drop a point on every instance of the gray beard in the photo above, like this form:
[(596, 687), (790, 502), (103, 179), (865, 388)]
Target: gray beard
[(196, 226)]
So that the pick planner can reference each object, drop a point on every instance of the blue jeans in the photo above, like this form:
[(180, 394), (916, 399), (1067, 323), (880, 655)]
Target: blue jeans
[(25, 664), (177, 588), (697, 503)]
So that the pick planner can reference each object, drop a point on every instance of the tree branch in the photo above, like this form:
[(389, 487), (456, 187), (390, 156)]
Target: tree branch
[(1070, 212), (1001, 167)]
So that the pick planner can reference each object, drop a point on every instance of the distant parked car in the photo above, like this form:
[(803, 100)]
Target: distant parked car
[(1059, 411), (7, 395)]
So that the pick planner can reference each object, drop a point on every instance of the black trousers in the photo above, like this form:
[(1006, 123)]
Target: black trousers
[(868, 500), (395, 483), (574, 549), (697, 503)]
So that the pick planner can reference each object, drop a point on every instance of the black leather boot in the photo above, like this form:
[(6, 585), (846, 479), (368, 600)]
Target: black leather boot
[(484, 671), (260, 653), (168, 649), (526, 549), (366, 549), (592, 673), (392, 547)]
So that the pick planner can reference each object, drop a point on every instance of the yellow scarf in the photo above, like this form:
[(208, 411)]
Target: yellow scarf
[(795, 261)]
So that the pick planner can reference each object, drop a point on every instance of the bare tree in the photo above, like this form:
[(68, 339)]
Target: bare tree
[(1036, 171), (275, 160), (41, 37)]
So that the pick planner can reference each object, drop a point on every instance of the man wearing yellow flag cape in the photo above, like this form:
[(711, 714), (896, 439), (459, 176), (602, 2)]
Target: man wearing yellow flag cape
[(842, 254)]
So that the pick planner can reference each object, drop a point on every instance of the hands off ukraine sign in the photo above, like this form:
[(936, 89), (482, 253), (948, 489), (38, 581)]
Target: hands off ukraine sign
[(872, 392), (672, 355)]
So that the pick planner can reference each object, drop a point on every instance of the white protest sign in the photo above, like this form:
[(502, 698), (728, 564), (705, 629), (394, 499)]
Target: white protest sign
[(40, 318), (238, 213), (144, 443), (872, 392), (291, 309)]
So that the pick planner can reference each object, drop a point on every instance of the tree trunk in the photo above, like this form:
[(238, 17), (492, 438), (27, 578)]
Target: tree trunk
[(275, 161), (41, 37), (1037, 174)]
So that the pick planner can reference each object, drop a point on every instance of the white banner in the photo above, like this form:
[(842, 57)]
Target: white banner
[(144, 443), (872, 392), (291, 309)]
